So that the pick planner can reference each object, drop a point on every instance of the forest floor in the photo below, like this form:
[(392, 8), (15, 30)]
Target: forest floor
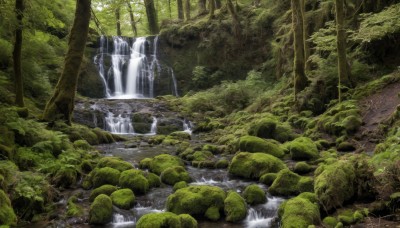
[(376, 110)]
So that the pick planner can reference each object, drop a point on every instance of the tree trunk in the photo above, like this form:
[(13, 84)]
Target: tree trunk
[(305, 34), (202, 7), (211, 5), (218, 4), (61, 104), (300, 78), (169, 9), (151, 16), (180, 9), (133, 22), (19, 86), (187, 10), (237, 30), (343, 68), (118, 18)]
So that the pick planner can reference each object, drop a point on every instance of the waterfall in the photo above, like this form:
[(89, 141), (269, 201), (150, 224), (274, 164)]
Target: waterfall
[(132, 69), (119, 124), (153, 130), (187, 126)]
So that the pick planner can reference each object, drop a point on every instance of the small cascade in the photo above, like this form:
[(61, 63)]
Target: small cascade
[(119, 124), (120, 220), (153, 129), (187, 126), (133, 69), (255, 219), (265, 215)]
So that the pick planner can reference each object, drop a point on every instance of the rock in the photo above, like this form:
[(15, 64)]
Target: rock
[(235, 207), (299, 212), (160, 163), (179, 185), (175, 174), (196, 200), (115, 163), (302, 168), (123, 198), (303, 148), (253, 194), (7, 215), (104, 176), (346, 147), (212, 213), (166, 219), (222, 164), (254, 165), (268, 178), (288, 183), (134, 180), (101, 210), (329, 222), (153, 179), (105, 189), (270, 129), (255, 144), (180, 135)]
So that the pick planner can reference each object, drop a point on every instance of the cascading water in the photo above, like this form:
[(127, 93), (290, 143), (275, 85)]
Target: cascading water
[(187, 126), (153, 129), (119, 124), (133, 70)]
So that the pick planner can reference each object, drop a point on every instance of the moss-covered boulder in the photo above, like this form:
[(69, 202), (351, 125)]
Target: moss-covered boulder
[(288, 183), (105, 189), (101, 210), (115, 163), (180, 135), (269, 128), (153, 179), (134, 180), (166, 219), (74, 210), (254, 165), (104, 176), (302, 168), (123, 198), (213, 213), (253, 194), (330, 222), (303, 148), (160, 163), (255, 144), (65, 176), (268, 178), (175, 174), (235, 207), (299, 212), (7, 215), (334, 184), (196, 200), (179, 185), (222, 164)]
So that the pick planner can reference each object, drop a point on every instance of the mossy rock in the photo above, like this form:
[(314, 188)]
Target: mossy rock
[(86, 166), (299, 212), (156, 139), (346, 217), (330, 222), (7, 215), (123, 198), (166, 219), (212, 148), (145, 163), (101, 210), (179, 185), (255, 144), (268, 128), (134, 180), (65, 176), (212, 213), (268, 178), (8, 170), (235, 207), (160, 163), (346, 147), (254, 165), (302, 168), (196, 200), (334, 184), (104, 176), (288, 183), (303, 148), (180, 135), (82, 144), (74, 210), (202, 156), (105, 136), (253, 195), (222, 164), (105, 189), (153, 179), (115, 163), (175, 174)]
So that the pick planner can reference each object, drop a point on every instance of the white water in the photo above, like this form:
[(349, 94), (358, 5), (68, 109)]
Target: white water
[(260, 218), (119, 124), (153, 129), (187, 126), (121, 221)]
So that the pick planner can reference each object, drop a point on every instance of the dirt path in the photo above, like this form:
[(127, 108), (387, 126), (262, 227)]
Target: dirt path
[(376, 108)]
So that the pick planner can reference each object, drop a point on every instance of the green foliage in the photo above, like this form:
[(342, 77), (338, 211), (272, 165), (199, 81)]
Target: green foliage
[(123, 198), (74, 210), (253, 194), (101, 210), (7, 215), (288, 183)]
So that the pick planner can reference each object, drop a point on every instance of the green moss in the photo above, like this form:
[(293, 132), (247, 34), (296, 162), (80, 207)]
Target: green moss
[(115, 163), (299, 212), (66, 176), (346, 147), (339, 225), (175, 174), (271, 129), (268, 178), (288, 183), (123, 198), (196, 200), (358, 216), (82, 144), (101, 210), (180, 135), (104, 136), (179, 185), (105, 189), (104, 176), (7, 215), (134, 180), (330, 222), (235, 207), (86, 166), (145, 163), (153, 179), (8, 171), (212, 213), (334, 184), (346, 217), (156, 139), (253, 194), (161, 162), (166, 219), (255, 144), (212, 148), (302, 168), (303, 148), (222, 164), (202, 156), (73, 209)]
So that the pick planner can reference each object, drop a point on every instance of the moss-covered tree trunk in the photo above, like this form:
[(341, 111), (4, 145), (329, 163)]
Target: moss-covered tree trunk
[(61, 104), (305, 34), (300, 78), (202, 7), (211, 6), (151, 16), (237, 29), (19, 86), (218, 4), (132, 18), (187, 10), (343, 68), (118, 19), (179, 4)]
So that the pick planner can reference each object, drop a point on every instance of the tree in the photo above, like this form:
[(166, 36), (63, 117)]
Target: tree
[(235, 20), (132, 18), (19, 87), (211, 6), (202, 7), (180, 9), (300, 78), (61, 104), (187, 10), (151, 16), (343, 68), (118, 19), (305, 34)]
